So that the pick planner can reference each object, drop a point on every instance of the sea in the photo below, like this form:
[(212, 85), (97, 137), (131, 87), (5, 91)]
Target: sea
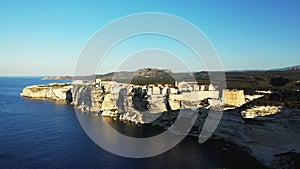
[(42, 134)]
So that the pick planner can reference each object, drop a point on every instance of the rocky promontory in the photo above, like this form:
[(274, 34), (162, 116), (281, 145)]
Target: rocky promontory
[(271, 134), (53, 91)]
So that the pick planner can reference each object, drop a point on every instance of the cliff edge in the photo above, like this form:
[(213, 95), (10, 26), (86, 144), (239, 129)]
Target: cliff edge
[(271, 134), (53, 91)]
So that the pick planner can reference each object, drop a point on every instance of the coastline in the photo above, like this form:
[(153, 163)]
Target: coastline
[(233, 128)]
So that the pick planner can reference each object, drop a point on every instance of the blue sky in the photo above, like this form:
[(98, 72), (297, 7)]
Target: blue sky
[(46, 37)]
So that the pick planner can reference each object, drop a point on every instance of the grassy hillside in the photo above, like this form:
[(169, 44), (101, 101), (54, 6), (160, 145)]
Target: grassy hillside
[(248, 81), (266, 80)]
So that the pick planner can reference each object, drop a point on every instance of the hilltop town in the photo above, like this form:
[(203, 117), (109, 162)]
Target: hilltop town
[(104, 97), (179, 91)]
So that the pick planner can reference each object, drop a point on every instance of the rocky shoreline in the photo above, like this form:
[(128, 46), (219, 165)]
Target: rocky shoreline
[(271, 134), (265, 139)]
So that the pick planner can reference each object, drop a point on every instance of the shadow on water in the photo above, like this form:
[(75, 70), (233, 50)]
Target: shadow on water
[(69, 96)]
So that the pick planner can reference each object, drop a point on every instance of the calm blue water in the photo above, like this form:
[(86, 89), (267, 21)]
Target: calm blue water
[(43, 134)]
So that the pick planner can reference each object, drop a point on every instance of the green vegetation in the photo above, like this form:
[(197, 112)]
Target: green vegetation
[(162, 79), (288, 98), (266, 80)]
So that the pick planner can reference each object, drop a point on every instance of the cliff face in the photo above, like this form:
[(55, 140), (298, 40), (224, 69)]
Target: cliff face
[(87, 98), (58, 92), (270, 139), (119, 104)]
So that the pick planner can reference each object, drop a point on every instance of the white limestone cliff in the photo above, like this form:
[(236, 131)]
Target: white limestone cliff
[(54, 91), (267, 133)]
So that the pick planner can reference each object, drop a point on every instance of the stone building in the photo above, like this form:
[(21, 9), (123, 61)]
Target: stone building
[(200, 95), (156, 90), (98, 82), (209, 87)]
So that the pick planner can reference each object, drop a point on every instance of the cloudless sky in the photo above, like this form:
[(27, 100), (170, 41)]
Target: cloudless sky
[(45, 37)]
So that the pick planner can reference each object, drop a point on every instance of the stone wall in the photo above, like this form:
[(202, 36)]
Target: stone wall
[(200, 95), (234, 98)]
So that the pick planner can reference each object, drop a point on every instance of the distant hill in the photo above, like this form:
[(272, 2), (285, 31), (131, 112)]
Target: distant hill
[(290, 68), (142, 76), (57, 78)]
